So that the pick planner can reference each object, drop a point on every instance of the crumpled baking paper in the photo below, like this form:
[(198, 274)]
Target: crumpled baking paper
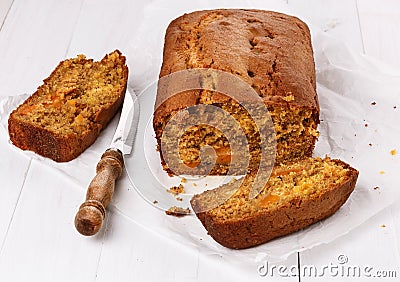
[(360, 107)]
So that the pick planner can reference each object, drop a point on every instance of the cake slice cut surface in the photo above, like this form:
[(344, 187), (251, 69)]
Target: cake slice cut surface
[(66, 114)]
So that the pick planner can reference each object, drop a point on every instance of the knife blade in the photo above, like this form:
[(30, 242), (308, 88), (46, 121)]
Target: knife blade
[(124, 136), (91, 214)]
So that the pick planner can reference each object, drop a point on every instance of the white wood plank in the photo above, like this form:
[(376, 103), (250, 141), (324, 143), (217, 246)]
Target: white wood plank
[(145, 255), (336, 17), (42, 243), (395, 213), (380, 22), (104, 26), (260, 271), (33, 40), (5, 6), (14, 167), (142, 255), (363, 247)]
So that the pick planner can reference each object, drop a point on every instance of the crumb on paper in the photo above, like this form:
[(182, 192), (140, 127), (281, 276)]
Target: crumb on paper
[(383, 225), (195, 184), (155, 202), (366, 125), (381, 172), (183, 180), (176, 190), (179, 199), (394, 107), (177, 211), (376, 187), (393, 152), (370, 144), (373, 103)]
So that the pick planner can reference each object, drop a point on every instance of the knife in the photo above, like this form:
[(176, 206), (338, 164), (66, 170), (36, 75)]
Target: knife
[(90, 216)]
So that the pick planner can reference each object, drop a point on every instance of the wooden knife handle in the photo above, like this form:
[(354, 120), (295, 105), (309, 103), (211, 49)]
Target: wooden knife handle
[(92, 212)]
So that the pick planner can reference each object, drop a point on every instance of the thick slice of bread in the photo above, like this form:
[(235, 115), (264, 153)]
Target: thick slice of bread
[(294, 196), (66, 114)]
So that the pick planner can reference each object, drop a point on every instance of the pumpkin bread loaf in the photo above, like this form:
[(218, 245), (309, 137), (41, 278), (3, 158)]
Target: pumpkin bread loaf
[(269, 51)]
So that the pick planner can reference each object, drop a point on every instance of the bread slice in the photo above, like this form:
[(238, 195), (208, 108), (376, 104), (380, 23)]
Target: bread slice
[(294, 196), (66, 114)]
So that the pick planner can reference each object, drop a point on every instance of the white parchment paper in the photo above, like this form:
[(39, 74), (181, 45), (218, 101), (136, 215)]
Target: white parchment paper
[(360, 110)]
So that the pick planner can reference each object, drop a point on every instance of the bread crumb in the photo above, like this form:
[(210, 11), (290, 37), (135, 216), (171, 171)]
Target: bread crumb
[(288, 98), (373, 103), (179, 199), (183, 180), (383, 225), (176, 190), (155, 202), (177, 211), (370, 144), (195, 184), (376, 188), (381, 172), (366, 125), (394, 107), (393, 152)]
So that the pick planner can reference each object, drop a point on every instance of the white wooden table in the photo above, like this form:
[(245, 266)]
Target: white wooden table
[(37, 238)]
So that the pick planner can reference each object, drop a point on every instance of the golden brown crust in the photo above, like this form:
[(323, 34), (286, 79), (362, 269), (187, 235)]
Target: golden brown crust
[(293, 216), (61, 148), (270, 51)]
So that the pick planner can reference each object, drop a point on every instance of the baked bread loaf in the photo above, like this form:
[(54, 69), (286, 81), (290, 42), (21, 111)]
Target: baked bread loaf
[(66, 114), (269, 51), (295, 196)]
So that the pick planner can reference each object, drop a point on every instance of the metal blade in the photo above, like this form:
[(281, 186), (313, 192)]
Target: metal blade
[(125, 134)]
